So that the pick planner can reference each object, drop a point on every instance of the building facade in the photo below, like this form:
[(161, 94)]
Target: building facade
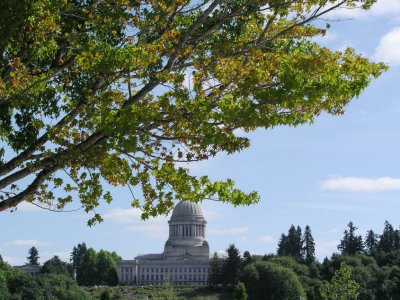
[(186, 256)]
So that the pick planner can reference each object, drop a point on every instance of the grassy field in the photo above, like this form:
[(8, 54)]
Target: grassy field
[(159, 292)]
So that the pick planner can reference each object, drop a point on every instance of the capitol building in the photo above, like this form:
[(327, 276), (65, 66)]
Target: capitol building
[(186, 256)]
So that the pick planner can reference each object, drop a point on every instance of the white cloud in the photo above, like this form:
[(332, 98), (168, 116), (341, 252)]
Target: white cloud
[(123, 215), (159, 231), (388, 49), (383, 8), (362, 184), (14, 261), (152, 227), (29, 243), (266, 239), (325, 40), (233, 230)]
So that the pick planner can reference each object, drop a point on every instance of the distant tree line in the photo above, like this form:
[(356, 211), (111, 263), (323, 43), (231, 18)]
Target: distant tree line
[(366, 268), (16, 284), (58, 279)]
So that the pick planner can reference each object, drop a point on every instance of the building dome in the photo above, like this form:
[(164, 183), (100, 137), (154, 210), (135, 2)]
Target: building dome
[(187, 231), (186, 209)]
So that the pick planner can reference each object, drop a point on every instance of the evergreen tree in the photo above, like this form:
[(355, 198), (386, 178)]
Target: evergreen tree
[(283, 246), (232, 265), (308, 246), (246, 258), (215, 276), (77, 254), (292, 244), (351, 243), (396, 242), (387, 239), (33, 258), (371, 242)]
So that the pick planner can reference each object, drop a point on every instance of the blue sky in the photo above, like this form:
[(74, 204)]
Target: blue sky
[(323, 175)]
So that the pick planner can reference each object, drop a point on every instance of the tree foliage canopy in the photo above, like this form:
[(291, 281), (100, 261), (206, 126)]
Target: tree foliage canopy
[(351, 243), (265, 280), (124, 92)]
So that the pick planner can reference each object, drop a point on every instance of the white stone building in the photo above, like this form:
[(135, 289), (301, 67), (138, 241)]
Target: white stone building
[(186, 256)]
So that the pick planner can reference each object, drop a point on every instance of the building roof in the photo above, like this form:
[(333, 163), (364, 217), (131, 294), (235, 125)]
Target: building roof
[(186, 209), (29, 268), (149, 256)]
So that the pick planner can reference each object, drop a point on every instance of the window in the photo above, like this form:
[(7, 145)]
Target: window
[(161, 270), (180, 270), (190, 270), (156, 270), (184, 270), (152, 270), (157, 277), (147, 277)]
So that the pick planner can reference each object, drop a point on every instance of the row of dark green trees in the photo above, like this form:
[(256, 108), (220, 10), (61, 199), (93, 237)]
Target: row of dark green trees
[(366, 269), (58, 279)]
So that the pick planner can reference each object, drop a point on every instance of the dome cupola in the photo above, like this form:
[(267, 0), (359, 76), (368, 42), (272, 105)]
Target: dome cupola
[(186, 210)]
